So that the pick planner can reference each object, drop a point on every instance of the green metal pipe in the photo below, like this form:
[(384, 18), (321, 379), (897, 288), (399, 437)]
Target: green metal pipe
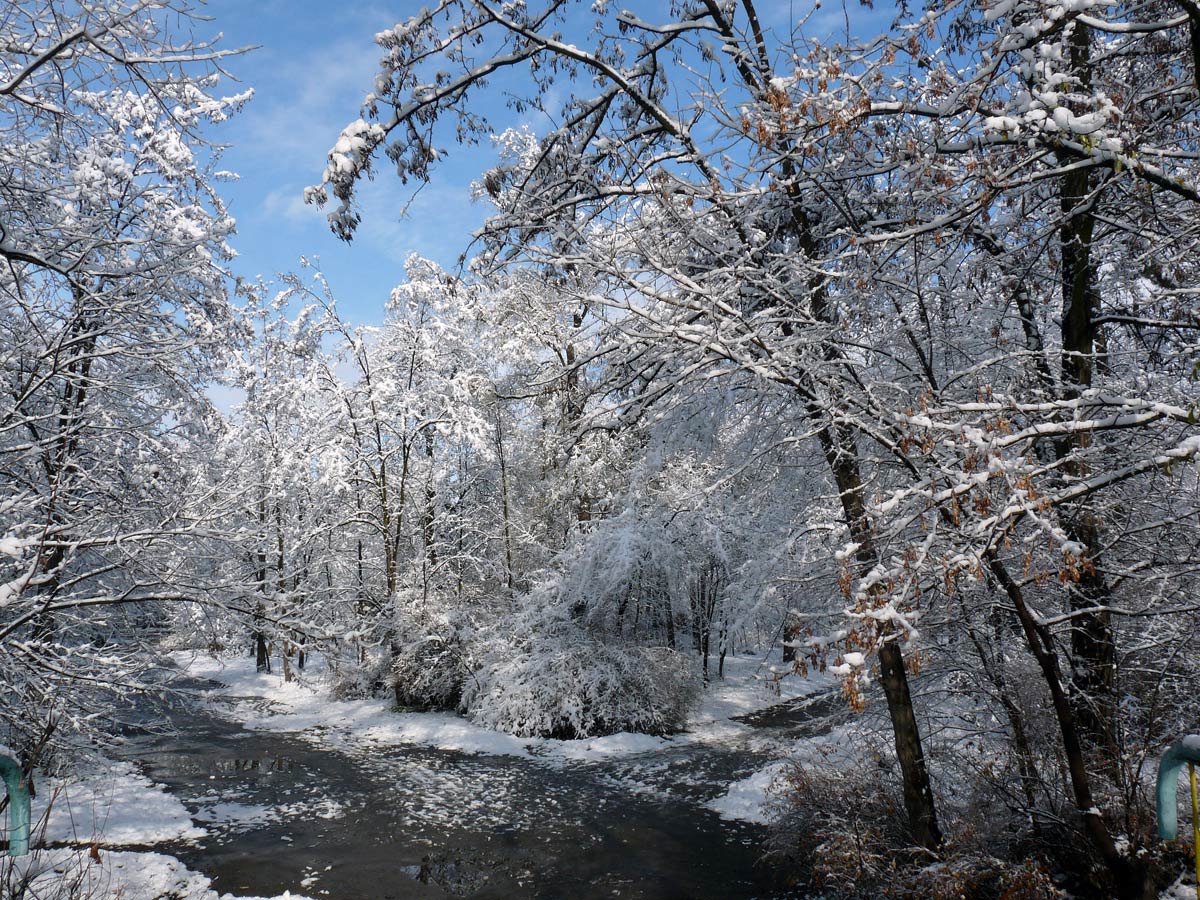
[(1169, 770), (18, 806), (1181, 752)]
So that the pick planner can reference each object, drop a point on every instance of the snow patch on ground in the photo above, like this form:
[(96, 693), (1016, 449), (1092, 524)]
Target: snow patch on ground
[(1184, 888), (114, 805), (109, 805), (746, 800), (749, 685), (614, 745), (65, 873)]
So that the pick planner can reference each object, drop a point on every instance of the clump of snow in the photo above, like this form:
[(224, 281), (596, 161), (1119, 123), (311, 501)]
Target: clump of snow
[(241, 815), (623, 743), (1184, 888), (747, 800)]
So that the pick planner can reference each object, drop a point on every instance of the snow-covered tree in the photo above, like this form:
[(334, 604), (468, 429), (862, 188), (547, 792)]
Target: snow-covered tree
[(955, 264), (114, 312)]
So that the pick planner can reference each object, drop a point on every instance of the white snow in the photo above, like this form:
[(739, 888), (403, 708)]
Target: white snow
[(1184, 888), (747, 800), (243, 815), (303, 707), (114, 806), (69, 872)]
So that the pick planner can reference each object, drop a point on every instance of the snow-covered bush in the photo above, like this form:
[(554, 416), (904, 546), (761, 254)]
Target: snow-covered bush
[(367, 676), (566, 683), (430, 661)]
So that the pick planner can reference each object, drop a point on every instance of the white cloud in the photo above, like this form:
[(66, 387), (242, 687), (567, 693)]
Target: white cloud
[(287, 203), (437, 221), (300, 111)]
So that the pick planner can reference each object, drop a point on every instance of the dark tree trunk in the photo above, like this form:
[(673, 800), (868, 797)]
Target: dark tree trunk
[(723, 648), (429, 512), (1093, 645), (918, 793), (842, 457), (573, 405), (1131, 877), (261, 652)]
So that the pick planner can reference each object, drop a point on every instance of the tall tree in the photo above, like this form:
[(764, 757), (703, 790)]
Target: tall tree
[(114, 311)]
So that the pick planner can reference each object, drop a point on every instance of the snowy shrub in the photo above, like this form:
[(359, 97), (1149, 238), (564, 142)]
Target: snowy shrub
[(421, 665), (567, 684), (369, 676), (430, 662)]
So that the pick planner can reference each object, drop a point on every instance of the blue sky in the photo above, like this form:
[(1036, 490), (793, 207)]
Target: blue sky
[(315, 62)]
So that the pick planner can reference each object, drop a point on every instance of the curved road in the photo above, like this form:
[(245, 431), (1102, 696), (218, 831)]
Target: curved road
[(375, 823)]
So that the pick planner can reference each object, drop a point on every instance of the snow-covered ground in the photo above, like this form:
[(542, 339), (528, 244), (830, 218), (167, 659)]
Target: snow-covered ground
[(266, 702), (82, 818), (113, 805), (747, 800), (82, 874), (1184, 888)]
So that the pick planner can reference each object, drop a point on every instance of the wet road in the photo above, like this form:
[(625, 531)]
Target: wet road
[(285, 811)]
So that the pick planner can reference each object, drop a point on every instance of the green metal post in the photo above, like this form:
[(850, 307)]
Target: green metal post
[(18, 806), (1169, 770), (1195, 824)]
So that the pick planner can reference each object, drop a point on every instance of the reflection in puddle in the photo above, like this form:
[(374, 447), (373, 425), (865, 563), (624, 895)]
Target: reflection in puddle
[(191, 764), (450, 873), (276, 764)]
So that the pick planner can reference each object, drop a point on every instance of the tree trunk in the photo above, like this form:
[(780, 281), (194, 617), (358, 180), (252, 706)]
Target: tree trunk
[(842, 457), (722, 646), (508, 556), (262, 654), (429, 511), (918, 793), (1131, 876), (1093, 644), (670, 610), (573, 403)]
